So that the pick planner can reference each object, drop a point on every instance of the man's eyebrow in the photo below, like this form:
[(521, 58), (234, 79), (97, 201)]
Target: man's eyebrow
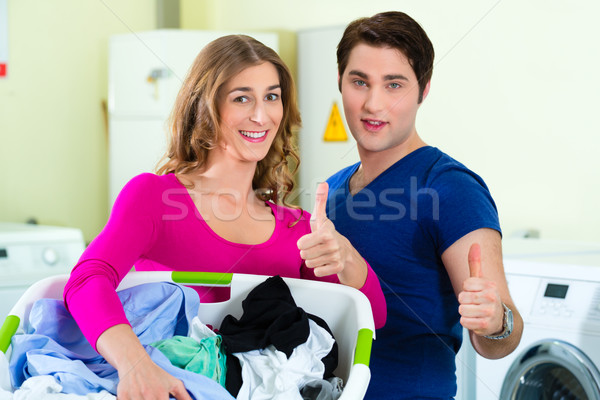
[(358, 73), (394, 77), (390, 77)]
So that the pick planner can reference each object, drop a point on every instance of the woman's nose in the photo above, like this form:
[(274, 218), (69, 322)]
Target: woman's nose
[(259, 114)]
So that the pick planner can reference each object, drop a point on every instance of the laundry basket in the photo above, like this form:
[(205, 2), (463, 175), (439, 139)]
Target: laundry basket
[(346, 310)]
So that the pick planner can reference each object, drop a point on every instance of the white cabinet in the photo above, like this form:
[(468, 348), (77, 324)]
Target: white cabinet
[(133, 60), (317, 92)]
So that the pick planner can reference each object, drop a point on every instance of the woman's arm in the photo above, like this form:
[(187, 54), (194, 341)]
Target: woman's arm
[(90, 293)]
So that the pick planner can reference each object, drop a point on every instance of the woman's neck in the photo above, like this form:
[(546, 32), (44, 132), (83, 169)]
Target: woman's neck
[(222, 192), (224, 176)]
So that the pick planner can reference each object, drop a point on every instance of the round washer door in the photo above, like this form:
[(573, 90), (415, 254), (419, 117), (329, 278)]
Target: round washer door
[(551, 369)]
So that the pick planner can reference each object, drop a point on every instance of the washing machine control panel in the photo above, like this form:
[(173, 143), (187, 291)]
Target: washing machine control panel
[(553, 301), (567, 303)]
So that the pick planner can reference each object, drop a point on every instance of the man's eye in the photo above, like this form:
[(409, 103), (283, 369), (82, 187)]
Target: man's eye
[(359, 82)]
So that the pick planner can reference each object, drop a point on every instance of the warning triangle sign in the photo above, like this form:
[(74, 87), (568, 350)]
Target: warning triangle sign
[(335, 131)]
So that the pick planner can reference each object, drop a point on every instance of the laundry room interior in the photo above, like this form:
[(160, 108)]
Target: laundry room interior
[(87, 87)]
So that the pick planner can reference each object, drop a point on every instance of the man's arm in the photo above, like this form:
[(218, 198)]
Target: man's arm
[(480, 286)]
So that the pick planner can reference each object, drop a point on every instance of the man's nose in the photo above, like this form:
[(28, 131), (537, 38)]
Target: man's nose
[(374, 101)]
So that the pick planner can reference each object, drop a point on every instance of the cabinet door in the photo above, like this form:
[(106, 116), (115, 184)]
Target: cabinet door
[(317, 92), (137, 75), (135, 146)]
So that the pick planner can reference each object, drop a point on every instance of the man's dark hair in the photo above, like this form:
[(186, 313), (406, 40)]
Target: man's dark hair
[(392, 29)]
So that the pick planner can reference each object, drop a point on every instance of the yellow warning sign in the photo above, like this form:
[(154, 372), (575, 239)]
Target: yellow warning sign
[(335, 131)]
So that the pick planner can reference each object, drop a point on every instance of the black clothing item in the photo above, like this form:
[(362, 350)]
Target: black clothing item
[(270, 317)]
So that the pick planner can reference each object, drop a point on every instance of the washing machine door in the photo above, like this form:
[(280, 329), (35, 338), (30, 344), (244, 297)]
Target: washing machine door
[(551, 370)]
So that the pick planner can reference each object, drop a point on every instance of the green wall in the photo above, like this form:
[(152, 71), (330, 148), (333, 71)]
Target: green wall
[(53, 137)]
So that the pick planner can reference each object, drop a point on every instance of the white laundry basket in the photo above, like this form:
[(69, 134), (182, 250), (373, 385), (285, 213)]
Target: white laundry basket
[(346, 310)]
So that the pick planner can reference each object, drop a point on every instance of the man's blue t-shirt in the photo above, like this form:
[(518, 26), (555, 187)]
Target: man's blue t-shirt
[(401, 223)]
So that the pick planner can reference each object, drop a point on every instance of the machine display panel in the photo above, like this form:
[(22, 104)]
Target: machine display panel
[(556, 291)]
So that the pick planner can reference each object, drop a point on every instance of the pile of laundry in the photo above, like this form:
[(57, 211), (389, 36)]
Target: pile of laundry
[(275, 350)]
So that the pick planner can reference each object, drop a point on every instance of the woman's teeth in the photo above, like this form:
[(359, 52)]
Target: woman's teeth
[(253, 135)]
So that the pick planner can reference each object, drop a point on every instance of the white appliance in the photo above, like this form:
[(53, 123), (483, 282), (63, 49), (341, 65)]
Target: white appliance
[(317, 92), (556, 287), (146, 70), (29, 253)]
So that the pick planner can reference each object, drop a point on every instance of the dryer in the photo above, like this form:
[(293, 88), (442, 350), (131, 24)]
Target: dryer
[(556, 287), (29, 253)]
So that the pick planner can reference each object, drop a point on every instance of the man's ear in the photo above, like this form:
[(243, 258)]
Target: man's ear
[(339, 82), (426, 91)]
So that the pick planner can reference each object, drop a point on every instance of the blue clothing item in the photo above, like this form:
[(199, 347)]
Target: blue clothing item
[(54, 344), (401, 223)]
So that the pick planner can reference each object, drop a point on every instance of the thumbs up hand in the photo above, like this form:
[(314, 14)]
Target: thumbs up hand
[(326, 251), (319, 214), (480, 307)]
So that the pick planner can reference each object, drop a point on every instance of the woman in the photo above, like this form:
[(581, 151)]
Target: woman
[(231, 137)]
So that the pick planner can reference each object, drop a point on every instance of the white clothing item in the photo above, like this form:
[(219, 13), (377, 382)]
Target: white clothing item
[(269, 374), (199, 331), (45, 387), (323, 389)]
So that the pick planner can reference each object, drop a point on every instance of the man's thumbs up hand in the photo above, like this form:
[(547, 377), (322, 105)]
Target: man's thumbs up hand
[(480, 307)]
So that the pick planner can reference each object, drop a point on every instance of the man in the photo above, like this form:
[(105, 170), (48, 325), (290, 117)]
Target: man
[(418, 217)]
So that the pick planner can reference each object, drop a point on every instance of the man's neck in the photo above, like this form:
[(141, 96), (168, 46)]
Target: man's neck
[(372, 164)]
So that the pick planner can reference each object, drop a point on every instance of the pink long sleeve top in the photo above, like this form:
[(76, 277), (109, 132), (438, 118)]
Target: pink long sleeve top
[(155, 226)]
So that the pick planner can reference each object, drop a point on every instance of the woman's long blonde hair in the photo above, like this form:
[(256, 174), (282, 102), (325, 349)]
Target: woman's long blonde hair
[(195, 119)]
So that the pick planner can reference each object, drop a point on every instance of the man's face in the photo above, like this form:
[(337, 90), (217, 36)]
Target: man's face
[(380, 92)]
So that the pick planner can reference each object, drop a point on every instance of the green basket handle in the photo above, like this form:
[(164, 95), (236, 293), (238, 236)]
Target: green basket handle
[(8, 329), (364, 341), (206, 278)]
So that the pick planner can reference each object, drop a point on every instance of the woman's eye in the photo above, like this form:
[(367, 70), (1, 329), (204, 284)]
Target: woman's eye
[(272, 97), (241, 99)]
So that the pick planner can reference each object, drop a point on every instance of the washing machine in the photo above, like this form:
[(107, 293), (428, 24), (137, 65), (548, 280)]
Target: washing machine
[(29, 253), (556, 287)]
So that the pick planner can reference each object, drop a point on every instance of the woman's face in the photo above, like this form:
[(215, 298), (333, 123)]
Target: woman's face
[(251, 111)]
